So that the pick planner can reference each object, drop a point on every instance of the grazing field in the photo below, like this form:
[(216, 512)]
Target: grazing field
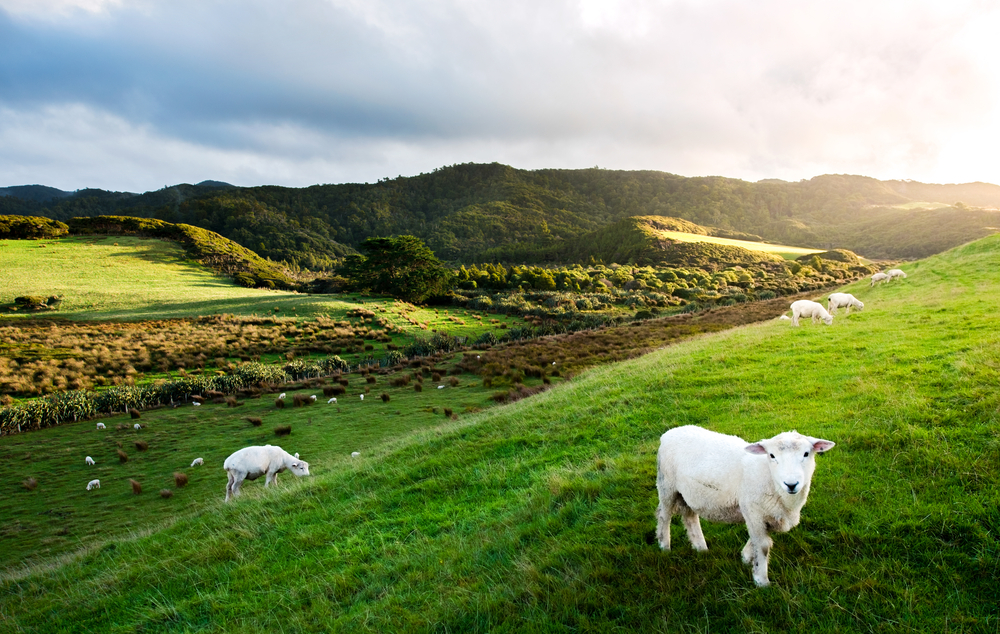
[(787, 252), (538, 516)]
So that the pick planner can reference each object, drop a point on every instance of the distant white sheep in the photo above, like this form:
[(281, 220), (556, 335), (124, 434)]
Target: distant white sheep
[(879, 278), (701, 473), (101, 426), (894, 273), (282, 395), (197, 462), (332, 400), (137, 426), (841, 300), (196, 403), (362, 397), (250, 463), (313, 398), (355, 454), (90, 461), (440, 387), (93, 484), (808, 308)]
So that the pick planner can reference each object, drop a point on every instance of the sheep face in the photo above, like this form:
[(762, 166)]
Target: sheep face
[(828, 320), (299, 468), (791, 460)]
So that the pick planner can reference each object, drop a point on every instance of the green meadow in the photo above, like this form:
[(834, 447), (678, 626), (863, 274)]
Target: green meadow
[(785, 251), (538, 516)]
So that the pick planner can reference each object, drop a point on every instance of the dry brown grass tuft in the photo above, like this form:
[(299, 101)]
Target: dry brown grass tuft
[(180, 479), (136, 487)]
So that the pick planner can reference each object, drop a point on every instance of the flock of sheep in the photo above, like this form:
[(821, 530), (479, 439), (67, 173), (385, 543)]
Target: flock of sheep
[(701, 473)]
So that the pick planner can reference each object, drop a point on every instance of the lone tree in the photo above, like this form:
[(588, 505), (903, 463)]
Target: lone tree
[(401, 266)]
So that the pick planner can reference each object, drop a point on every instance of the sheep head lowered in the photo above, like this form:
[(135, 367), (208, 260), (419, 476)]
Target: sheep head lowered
[(791, 460)]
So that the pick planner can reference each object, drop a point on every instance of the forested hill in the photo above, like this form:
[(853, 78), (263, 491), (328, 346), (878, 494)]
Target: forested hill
[(474, 212)]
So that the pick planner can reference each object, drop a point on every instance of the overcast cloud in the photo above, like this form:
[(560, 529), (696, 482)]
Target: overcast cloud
[(138, 94)]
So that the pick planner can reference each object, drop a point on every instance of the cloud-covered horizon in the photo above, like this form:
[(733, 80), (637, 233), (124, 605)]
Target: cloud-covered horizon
[(137, 94)]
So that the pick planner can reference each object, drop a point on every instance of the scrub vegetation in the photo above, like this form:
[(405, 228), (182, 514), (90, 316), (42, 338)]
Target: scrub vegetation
[(538, 515)]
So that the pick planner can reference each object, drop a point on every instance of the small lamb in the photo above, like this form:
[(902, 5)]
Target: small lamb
[(807, 308), (894, 273), (878, 278), (726, 479), (332, 400), (197, 462), (93, 484), (90, 461), (840, 300), (101, 426)]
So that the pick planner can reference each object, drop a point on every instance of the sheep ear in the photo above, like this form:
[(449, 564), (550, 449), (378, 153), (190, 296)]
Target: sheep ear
[(820, 445), (296, 456), (756, 448)]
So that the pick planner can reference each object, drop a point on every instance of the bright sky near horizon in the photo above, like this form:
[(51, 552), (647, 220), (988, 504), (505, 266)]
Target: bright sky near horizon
[(138, 94)]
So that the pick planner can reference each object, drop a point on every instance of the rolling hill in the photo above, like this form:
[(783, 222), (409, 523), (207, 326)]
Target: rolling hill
[(538, 516), (480, 212)]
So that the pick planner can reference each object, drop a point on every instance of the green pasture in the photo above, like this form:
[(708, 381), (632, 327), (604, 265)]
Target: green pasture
[(128, 279), (787, 252), (538, 516)]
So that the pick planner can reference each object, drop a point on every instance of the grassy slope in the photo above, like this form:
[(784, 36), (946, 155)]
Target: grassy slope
[(539, 515), (787, 252)]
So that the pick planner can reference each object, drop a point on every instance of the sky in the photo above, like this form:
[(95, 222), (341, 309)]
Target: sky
[(135, 95)]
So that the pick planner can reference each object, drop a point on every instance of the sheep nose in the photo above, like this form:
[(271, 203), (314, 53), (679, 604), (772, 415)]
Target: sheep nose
[(792, 488)]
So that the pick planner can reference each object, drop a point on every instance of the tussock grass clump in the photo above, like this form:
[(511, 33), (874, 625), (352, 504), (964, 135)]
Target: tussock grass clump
[(453, 381), (166, 494), (417, 387), (232, 402), (282, 430), (134, 413), (448, 412), (255, 421), (122, 456), (180, 479), (371, 380), (30, 484), (332, 390), (136, 487), (401, 380), (385, 397), (279, 403), (141, 445)]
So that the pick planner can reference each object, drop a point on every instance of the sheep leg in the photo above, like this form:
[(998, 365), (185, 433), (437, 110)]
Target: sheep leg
[(760, 546), (229, 485), (795, 319), (663, 526), (693, 525)]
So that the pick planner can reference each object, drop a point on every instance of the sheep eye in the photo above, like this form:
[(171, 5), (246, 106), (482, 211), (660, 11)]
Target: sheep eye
[(772, 456), (805, 455)]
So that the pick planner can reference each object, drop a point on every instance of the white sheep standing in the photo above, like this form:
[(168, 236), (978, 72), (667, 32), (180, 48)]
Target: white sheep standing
[(355, 454), (701, 473), (196, 403), (90, 461), (840, 300), (137, 426), (808, 308), (879, 278), (313, 398), (250, 463), (101, 426), (894, 273), (282, 395), (362, 397), (93, 484), (332, 400), (197, 462)]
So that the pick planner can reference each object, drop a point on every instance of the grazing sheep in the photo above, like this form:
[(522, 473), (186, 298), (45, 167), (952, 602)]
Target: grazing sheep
[(250, 463), (355, 454), (93, 484), (879, 278), (136, 487), (840, 300), (90, 461), (281, 396), (362, 397), (440, 387), (894, 273), (197, 462), (101, 426), (195, 403), (313, 398), (137, 426), (332, 400), (726, 479), (807, 308)]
